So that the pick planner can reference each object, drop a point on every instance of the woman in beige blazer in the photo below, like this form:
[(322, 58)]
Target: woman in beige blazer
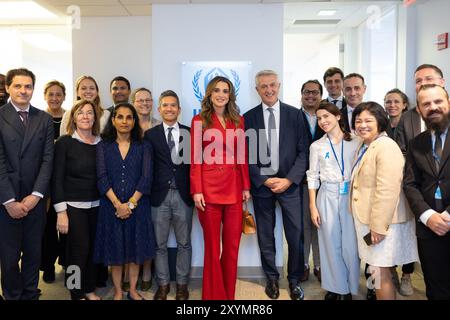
[(377, 201)]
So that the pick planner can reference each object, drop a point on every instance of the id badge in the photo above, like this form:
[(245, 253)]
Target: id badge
[(344, 187), (438, 194)]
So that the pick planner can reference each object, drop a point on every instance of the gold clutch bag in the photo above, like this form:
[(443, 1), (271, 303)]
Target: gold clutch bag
[(248, 222)]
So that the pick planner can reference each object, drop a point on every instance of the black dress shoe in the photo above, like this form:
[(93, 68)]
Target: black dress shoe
[(371, 295), (182, 292), (272, 289), (331, 296), (297, 292), (161, 293), (49, 276)]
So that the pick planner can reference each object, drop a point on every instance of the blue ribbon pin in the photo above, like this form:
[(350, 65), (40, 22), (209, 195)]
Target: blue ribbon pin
[(327, 155)]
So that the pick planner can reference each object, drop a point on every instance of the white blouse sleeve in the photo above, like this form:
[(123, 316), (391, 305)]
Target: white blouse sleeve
[(313, 174)]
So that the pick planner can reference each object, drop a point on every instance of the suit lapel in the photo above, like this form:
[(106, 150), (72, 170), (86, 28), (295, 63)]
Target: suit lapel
[(428, 151), (415, 123), (445, 153), (33, 122), (162, 137), (308, 131), (282, 131), (13, 118), (359, 165)]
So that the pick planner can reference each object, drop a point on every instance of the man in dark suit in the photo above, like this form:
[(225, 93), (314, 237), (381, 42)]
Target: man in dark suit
[(276, 170), (411, 124), (171, 200), (26, 157), (333, 80), (427, 188), (3, 94), (312, 92), (120, 89), (354, 90)]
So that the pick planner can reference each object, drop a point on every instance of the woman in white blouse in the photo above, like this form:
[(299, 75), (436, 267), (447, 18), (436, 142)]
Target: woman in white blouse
[(330, 166), (86, 88)]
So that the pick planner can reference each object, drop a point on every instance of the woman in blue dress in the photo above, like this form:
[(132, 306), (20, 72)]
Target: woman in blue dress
[(124, 168)]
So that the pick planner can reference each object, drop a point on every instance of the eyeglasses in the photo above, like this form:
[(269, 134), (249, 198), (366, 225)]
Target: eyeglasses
[(313, 92), (146, 101)]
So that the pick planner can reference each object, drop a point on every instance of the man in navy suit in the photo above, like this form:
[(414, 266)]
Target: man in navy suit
[(333, 79), (26, 157), (171, 200), (277, 165), (354, 90), (312, 92)]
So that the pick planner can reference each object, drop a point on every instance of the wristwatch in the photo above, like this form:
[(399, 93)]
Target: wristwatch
[(131, 205)]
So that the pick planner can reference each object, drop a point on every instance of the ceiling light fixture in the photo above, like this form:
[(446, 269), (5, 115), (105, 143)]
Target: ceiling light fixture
[(326, 13)]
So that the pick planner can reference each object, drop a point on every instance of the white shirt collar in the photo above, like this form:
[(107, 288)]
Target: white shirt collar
[(75, 135), (175, 126), (275, 107), (27, 109), (330, 99)]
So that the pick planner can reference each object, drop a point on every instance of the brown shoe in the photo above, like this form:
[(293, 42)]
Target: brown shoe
[(305, 276), (161, 293), (182, 292), (318, 274)]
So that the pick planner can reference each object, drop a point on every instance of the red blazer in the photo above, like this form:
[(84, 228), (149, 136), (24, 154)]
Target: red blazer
[(219, 164)]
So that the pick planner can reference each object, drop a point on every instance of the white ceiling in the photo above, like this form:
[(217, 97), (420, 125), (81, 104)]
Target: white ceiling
[(350, 13)]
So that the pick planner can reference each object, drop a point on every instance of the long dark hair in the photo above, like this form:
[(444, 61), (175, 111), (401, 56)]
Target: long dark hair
[(110, 133), (331, 108), (231, 111)]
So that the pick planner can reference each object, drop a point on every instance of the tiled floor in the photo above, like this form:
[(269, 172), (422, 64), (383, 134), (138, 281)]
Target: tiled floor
[(246, 289)]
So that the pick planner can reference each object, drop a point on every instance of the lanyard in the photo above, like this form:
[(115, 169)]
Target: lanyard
[(361, 152), (335, 156)]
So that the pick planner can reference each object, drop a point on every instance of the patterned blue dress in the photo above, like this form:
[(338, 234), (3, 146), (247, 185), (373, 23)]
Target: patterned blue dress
[(121, 241)]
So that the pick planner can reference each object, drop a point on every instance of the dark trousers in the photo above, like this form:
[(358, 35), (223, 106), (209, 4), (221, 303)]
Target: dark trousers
[(80, 249), (434, 254), (53, 246), (20, 240), (292, 222)]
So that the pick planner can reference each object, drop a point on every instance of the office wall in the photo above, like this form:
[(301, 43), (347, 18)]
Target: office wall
[(433, 19), (112, 46), (214, 33)]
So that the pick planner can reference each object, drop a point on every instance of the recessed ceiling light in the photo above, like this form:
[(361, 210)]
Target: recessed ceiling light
[(326, 13), (23, 10)]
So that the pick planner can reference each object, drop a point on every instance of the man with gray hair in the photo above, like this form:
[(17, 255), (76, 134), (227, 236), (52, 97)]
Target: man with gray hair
[(277, 167)]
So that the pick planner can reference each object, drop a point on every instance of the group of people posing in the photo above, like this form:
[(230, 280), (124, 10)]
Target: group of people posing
[(102, 187)]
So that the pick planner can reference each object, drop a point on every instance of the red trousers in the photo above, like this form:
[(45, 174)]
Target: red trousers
[(220, 270)]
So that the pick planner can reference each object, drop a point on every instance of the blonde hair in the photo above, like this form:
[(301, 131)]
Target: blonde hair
[(72, 127)]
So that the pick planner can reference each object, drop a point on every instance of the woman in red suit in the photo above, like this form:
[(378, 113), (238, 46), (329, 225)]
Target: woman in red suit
[(219, 184)]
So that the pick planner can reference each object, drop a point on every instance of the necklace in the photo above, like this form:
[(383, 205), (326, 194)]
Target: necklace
[(56, 121)]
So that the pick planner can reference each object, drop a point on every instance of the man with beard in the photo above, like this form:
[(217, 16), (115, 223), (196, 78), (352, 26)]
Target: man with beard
[(3, 94), (427, 187)]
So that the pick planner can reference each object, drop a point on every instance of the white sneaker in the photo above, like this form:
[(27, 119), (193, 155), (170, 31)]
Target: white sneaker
[(406, 288)]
